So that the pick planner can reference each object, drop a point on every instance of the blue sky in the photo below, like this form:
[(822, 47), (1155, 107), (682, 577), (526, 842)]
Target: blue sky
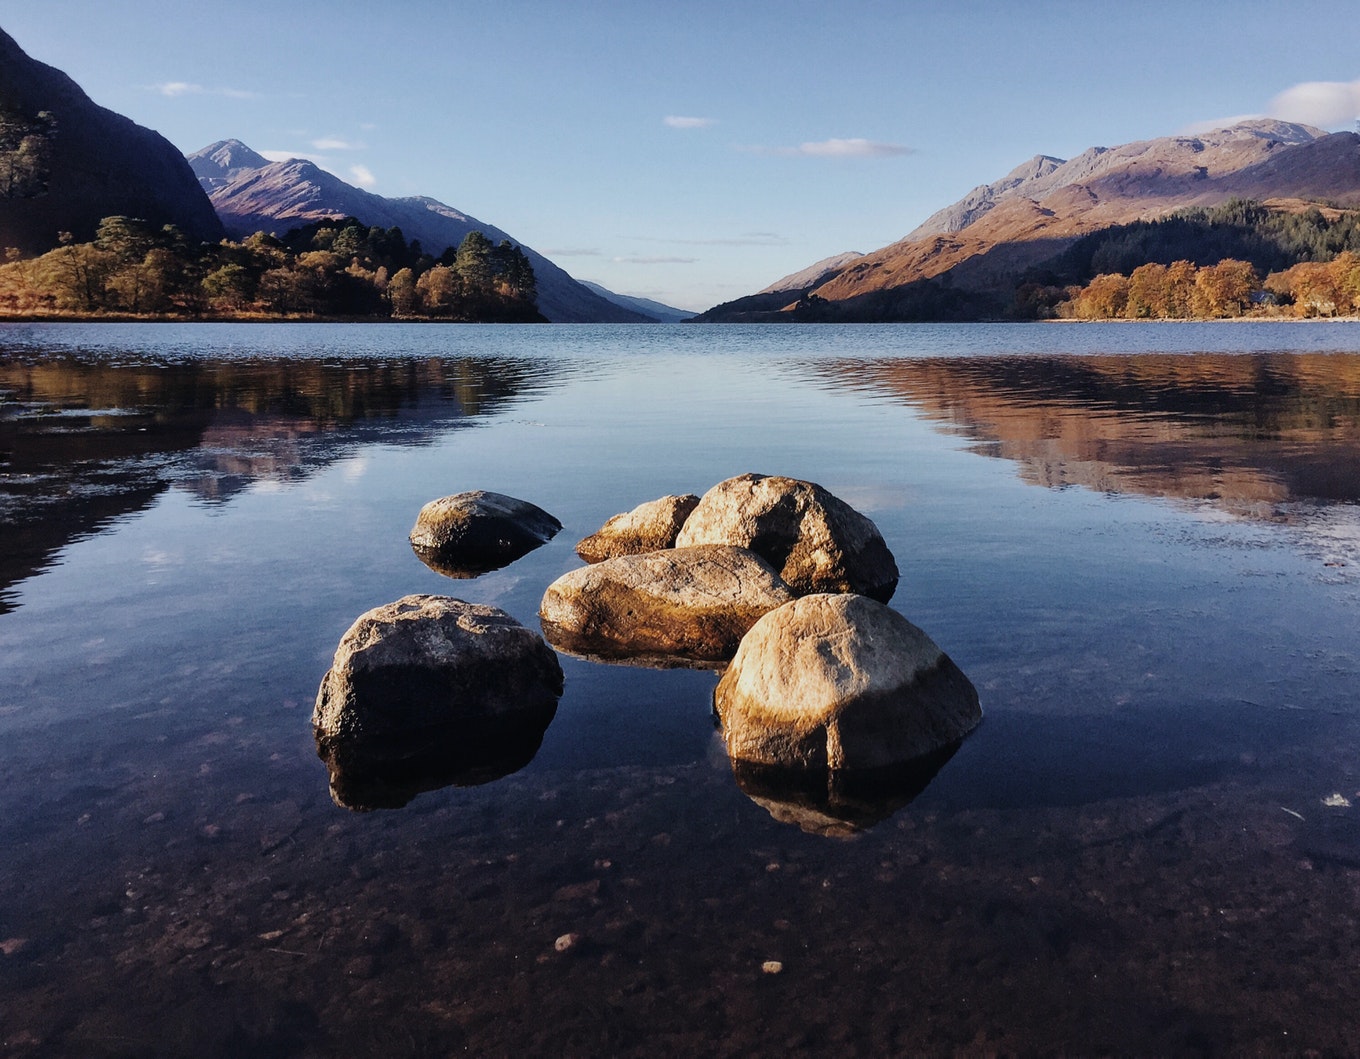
[(693, 151)]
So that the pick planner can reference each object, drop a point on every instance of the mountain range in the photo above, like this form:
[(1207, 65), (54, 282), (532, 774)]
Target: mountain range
[(252, 194), (980, 247), (89, 163)]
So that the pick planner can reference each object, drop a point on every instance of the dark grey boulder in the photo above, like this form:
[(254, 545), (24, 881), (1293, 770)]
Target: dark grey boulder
[(471, 533), (816, 541), (429, 688)]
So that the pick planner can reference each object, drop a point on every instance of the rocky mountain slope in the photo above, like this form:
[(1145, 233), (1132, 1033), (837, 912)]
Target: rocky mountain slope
[(979, 246), (86, 163), (252, 194)]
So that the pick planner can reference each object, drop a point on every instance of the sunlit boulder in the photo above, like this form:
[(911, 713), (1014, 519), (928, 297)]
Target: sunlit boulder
[(679, 605), (471, 533), (841, 682), (816, 541), (430, 690), (648, 527)]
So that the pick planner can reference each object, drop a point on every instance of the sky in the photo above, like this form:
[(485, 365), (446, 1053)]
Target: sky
[(694, 151)]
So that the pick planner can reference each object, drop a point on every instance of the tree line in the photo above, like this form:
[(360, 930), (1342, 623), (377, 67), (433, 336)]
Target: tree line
[(326, 269), (1240, 258)]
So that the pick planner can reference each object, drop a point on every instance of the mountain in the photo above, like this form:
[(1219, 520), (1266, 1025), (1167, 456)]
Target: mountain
[(252, 194), (66, 172), (666, 314), (966, 259)]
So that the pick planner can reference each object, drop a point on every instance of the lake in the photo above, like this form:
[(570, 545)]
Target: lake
[(1140, 542)]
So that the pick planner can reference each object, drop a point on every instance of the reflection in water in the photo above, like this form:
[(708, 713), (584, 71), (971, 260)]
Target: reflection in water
[(838, 803), (386, 773), (85, 441), (1245, 432)]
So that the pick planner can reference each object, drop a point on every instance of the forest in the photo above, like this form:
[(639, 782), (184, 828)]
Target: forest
[(331, 269), (1240, 258)]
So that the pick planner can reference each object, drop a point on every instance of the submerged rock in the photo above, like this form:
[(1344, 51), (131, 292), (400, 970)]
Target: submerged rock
[(841, 682), (471, 533), (648, 527), (428, 691), (816, 541), (685, 604)]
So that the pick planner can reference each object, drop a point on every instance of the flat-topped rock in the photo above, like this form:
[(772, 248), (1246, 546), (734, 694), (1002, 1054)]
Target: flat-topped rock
[(690, 604), (648, 527), (473, 532), (841, 682), (816, 541)]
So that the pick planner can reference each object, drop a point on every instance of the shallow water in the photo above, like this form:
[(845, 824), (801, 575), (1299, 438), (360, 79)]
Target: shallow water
[(1142, 543)]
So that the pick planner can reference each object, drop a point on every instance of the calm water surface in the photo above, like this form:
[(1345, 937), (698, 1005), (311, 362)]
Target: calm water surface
[(1142, 543)]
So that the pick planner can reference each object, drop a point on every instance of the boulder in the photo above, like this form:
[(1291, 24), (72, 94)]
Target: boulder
[(648, 527), (816, 541), (675, 606), (432, 686), (471, 533), (841, 682)]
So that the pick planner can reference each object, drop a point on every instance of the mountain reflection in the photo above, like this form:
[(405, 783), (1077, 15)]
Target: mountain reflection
[(1244, 432), (85, 441)]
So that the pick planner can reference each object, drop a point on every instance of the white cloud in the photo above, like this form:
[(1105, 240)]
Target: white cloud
[(284, 156), (334, 143), (1328, 104), (654, 260), (175, 89), (363, 176), (573, 251), (1199, 128), (840, 148), (675, 121)]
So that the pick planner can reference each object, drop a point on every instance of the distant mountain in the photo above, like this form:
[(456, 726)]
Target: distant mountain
[(252, 194), (82, 164), (666, 314), (966, 259)]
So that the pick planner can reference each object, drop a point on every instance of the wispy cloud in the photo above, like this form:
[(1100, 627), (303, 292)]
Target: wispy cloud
[(676, 121), (654, 260), (745, 239), (854, 147), (334, 143), (1199, 128), (574, 251), (284, 156), (175, 89), (363, 176), (1325, 103)]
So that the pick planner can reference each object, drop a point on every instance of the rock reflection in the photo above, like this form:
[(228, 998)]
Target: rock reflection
[(388, 772), (837, 803), (1243, 432)]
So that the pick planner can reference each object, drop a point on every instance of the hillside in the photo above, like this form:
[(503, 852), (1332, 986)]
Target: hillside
[(66, 163), (965, 260), (251, 194)]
